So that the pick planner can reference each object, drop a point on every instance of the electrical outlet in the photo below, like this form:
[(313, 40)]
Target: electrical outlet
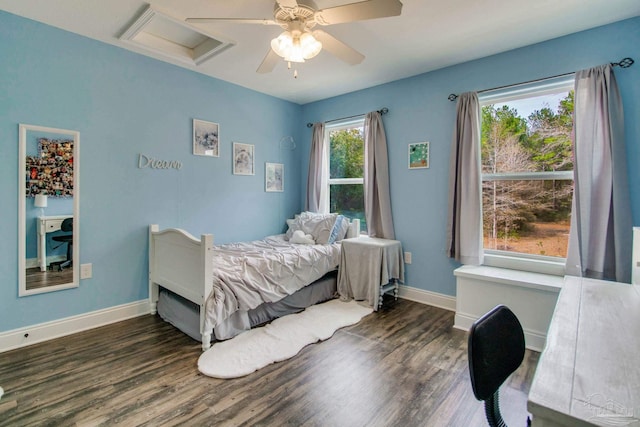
[(407, 257), (86, 271)]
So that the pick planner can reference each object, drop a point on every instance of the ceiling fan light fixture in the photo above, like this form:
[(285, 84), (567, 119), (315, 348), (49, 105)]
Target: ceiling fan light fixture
[(282, 44), (294, 47), (295, 54), (309, 45)]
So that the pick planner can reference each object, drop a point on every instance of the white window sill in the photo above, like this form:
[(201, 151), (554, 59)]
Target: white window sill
[(534, 264), (504, 276)]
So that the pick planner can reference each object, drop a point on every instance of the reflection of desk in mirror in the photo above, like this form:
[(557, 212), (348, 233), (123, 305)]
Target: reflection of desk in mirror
[(47, 224)]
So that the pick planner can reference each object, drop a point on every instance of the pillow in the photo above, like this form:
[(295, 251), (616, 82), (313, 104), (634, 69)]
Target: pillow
[(290, 230), (300, 237), (339, 230), (293, 225), (317, 224)]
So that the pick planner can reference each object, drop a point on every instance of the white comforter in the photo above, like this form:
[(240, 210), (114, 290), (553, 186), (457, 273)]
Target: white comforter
[(248, 274)]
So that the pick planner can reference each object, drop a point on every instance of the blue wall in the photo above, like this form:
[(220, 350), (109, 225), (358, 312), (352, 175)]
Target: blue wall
[(124, 104), (419, 111)]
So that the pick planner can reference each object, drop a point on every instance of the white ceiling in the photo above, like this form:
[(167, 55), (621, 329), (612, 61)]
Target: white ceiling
[(429, 34)]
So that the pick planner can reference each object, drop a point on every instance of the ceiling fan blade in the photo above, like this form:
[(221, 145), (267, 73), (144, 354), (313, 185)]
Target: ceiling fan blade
[(232, 20), (359, 11), (338, 49), (268, 63), (287, 4)]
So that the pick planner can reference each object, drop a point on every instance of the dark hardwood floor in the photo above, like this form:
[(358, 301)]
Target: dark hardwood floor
[(41, 279), (402, 366)]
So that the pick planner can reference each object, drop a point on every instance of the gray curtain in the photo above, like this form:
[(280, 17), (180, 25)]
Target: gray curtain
[(464, 226), (315, 177), (377, 199), (601, 230)]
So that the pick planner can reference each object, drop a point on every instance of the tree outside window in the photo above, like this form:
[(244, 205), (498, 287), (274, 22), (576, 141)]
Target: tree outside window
[(527, 175), (346, 170)]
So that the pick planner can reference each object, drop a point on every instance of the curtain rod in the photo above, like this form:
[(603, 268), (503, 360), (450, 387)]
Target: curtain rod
[(383, 111), (624, 63)]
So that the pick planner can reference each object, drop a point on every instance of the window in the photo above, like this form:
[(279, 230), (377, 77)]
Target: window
[(344, 143), (527, 175)]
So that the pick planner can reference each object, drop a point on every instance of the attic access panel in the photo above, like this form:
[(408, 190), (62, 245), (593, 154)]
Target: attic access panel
[(168, 36)]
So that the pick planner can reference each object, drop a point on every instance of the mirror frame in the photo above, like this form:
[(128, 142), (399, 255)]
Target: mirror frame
[(22, 181)]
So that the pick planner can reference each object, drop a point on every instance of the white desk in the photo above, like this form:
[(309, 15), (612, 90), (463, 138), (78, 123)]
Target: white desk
[(589, 371), (47, 224), (369, 268)]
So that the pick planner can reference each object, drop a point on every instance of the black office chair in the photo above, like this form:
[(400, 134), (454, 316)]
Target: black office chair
[(66, 226), (496, 350)]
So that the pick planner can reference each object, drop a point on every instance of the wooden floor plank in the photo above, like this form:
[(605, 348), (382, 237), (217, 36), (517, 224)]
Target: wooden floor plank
[(404, 365)]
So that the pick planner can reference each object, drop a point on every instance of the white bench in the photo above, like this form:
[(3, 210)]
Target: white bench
[(531, 296)]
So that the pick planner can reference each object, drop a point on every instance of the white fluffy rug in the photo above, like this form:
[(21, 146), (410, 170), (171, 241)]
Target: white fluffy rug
[(279, 340)]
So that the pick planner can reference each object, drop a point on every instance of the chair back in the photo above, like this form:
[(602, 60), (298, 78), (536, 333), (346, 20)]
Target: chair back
[(67, 224), (496, 350)]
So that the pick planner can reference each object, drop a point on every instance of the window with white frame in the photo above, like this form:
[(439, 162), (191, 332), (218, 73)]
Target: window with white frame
[(344, 143), (527, 175)]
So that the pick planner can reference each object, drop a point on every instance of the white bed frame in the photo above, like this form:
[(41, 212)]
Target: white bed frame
[(181, 263)]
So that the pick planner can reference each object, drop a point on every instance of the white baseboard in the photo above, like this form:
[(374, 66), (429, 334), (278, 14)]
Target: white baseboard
[(535, 340), (33, 262), (427, 297), (33, 334)]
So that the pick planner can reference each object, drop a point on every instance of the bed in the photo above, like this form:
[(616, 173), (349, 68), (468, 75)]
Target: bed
[(230, 288)]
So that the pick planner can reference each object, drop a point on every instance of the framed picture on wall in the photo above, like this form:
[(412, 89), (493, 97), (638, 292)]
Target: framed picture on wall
[(206, 138), (419, 155), (243, 159), (50, 171), (274, 177)]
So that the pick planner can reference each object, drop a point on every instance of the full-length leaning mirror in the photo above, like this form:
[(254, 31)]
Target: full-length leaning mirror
[(48, 209)]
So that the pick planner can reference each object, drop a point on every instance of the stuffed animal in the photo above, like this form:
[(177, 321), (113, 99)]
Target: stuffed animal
[(300, 237)]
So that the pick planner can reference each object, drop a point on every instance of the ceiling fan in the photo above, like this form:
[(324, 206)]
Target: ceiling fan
[(299, 42)]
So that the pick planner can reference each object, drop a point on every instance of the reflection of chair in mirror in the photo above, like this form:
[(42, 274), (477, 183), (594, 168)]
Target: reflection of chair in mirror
[(66, 226)]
